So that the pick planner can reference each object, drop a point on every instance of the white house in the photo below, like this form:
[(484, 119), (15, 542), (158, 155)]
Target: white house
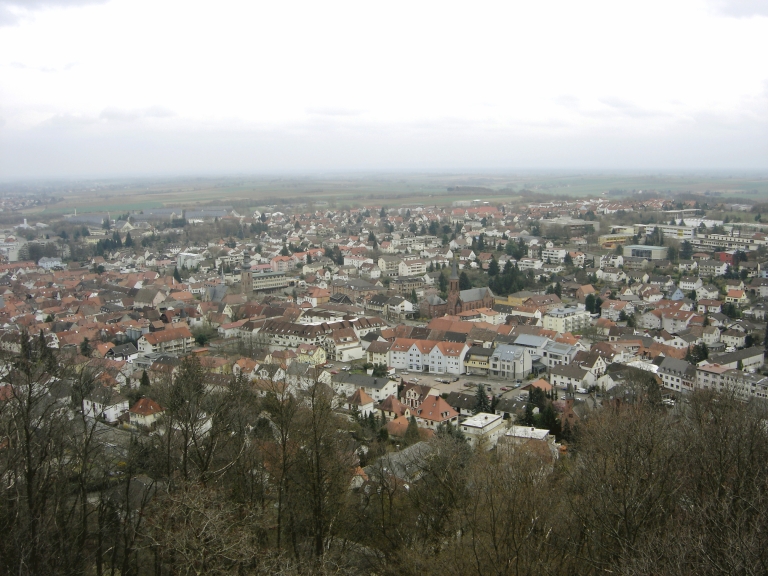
[(447, 358), (105, 403)]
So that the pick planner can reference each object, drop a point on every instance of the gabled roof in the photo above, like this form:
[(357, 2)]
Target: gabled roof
[(168, 335), (360, 398), (436, 409), (145, 407)]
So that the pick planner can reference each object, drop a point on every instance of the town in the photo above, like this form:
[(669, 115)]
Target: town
[(506, 325)]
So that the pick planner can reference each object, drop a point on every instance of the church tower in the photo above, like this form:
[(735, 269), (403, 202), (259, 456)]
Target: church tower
[(454, 300)]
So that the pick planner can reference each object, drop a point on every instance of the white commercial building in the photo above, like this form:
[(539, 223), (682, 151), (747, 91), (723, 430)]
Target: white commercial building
[(483, 429)]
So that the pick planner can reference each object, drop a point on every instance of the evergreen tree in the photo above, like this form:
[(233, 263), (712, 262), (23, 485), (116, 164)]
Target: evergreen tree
[(128, 240), (589, 303), (85, 348), (442, 284), (144, 383), (412, 432), (550, 421), (529, 418), (493, 267), (176, 275), (464, 283), (686, 250), (414, 298), (482, 404)]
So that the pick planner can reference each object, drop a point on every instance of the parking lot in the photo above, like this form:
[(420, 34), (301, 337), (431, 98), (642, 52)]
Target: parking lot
[(492, 385)]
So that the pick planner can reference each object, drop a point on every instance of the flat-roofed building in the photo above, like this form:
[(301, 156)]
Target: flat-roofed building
[(567, 319), (672, 231), (254, 282), (645, 251), (483, 429)]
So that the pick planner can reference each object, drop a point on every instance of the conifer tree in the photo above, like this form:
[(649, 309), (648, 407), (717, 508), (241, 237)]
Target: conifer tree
[(482, 404)]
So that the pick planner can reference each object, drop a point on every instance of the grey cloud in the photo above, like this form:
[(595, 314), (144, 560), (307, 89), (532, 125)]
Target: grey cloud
[(741, 8), (118, 115), (9, 15), (45, 69), (100, 148), (618, 106), (66, 121), (158, 112), (121, 115)]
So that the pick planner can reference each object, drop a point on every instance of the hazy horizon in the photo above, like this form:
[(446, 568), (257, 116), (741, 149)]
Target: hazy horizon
[(118, 88)]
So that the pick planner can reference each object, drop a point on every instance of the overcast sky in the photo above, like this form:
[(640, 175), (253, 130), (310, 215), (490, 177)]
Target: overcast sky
[(143, 87)]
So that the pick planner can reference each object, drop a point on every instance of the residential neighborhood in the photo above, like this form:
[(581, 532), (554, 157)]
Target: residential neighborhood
[(502, 325)]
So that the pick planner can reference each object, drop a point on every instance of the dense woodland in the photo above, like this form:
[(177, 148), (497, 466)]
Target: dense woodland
[(250, 484)]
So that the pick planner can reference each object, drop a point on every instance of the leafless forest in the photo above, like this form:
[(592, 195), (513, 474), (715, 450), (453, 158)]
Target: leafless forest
[(268, 486)]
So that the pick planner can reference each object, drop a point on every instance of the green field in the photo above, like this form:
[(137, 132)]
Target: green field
[(388, 189)]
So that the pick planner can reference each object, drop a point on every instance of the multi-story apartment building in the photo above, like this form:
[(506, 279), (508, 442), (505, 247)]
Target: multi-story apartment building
[(723, 379), (170, 341), (412, 267), (510, 361), (567, 319), (558, 354), (554, 255), (677, 374), (427, 356), (390, 265), (712, 268)]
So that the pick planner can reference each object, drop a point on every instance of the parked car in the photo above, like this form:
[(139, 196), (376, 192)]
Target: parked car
[(504, 388), (581, 390)]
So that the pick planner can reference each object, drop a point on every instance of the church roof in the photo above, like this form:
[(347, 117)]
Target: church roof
[(474, 294)]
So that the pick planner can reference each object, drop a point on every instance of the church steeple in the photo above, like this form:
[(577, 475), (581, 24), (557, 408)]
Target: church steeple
[(453, 281), (454, 296)]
